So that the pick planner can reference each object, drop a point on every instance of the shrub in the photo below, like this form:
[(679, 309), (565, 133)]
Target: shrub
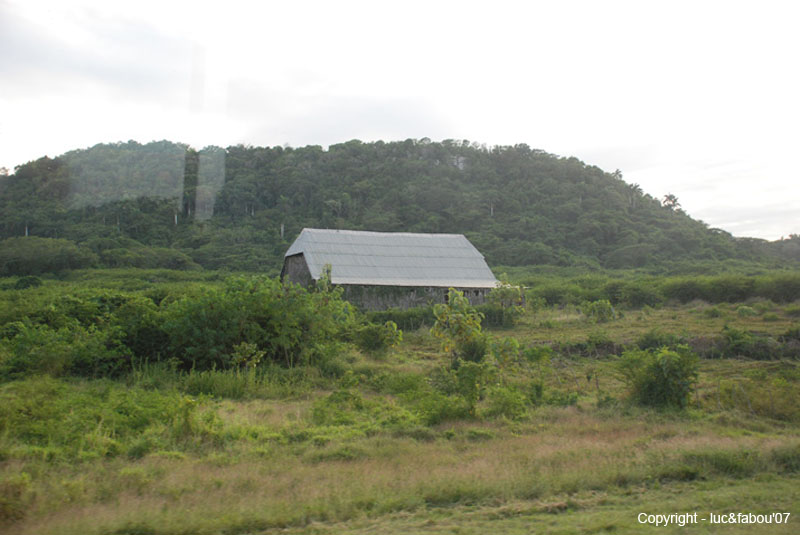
[(372, 337), (730, 289), (467, 380), (559, 398), (498, 316), (504, 306), (140, 321), (746, 312), (507, 402), (398, 382), (14, 497), (538, 356), (535, 392), (739, 343), (780, 288), (505, 351), (32, 255), (472, 378), (472, 350), (291, 324), (73, 350), (535, 304), (557, 293), (662, 378), (792, 310), (684, 290), (599, 342), (90, 419), (654, 339), (641, 294), (598, 311), (28, 281), (457, 324), (434, 408), (147, 257)]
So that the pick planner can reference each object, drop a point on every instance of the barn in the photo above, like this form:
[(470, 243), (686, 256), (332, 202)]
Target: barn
[(380, 270)]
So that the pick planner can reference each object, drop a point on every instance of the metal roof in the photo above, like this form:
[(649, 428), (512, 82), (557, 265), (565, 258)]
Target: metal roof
[(393, 258)]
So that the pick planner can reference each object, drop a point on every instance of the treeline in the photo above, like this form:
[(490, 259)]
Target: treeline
[(646, 291), (240, 207)]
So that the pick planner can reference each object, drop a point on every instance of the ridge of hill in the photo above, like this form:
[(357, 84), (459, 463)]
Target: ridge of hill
[(164, 204)]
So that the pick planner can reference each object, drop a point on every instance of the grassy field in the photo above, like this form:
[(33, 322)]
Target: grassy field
[(381, 449)]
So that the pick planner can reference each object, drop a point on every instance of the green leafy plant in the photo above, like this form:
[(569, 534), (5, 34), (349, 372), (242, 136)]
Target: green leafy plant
[(372, 337), (458, 325), (660, 378), (599, 311)]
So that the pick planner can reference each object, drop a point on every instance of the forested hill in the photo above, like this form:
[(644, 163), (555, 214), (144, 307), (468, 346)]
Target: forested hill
[(165, 204)]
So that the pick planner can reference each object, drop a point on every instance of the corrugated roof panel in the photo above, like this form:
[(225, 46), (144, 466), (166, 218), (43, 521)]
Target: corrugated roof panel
[(393, 258)]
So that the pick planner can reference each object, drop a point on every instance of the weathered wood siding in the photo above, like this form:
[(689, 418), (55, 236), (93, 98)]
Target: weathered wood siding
[(383, 297), (296, 270)]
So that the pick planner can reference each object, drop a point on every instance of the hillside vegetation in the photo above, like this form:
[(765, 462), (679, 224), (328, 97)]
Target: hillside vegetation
[(166, 205)]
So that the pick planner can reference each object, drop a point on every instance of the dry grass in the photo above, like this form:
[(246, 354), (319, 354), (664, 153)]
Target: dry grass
[(561, 453)]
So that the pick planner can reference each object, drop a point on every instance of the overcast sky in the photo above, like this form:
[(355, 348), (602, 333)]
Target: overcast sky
[(699, 99)]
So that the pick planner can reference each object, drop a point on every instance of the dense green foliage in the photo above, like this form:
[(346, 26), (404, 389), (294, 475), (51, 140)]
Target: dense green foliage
[(33, 256), (294, 326), (238, 324), (642, 290), (240, 207), (660, 378)]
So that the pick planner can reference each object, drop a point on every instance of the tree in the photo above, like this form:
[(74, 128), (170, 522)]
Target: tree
[(671, 201)]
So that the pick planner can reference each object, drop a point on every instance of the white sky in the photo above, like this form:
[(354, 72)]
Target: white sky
[(700, 99)]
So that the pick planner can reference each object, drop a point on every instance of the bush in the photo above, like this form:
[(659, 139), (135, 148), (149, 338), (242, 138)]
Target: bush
[(73, 350), (684, 290), (640, 294), (662, 378), (782, 288), (14, 497), (557, 293), (507, 402), (28, 281), (472, 350), (499, 316), (746, 312), (503, 308), (598, 311), (291, 324), (434, 408), (457, 324), (792, 310), (467, 380), (32, 255), (91, 419), (730, 289), (372, 337), (654, 339), (739, 343), (147, 257)]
